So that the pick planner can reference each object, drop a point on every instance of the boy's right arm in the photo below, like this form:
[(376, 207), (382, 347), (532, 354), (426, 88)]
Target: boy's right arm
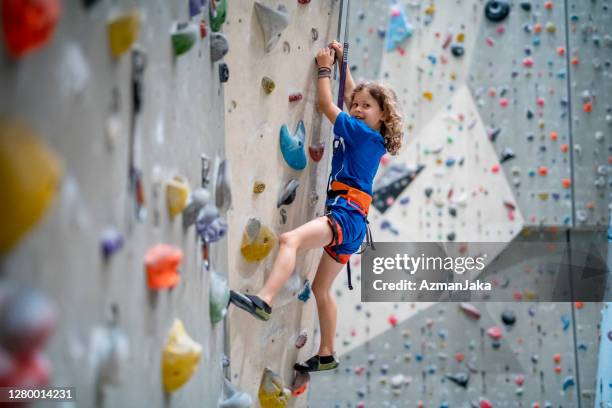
[(349, 84)]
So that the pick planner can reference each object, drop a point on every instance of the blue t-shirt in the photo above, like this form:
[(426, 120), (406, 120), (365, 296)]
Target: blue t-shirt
[(356, 160)]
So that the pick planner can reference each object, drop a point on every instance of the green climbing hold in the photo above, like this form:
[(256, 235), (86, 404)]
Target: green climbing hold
[(183, 35), (218, 11), (218, 297)]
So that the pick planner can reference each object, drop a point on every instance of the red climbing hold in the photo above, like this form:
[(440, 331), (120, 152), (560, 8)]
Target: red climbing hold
[(485, 403), (470, 310), (303, 1), (294, 97), (557, 358), (519, 380), (548, 5), (537, 28), (553, 135), (28, 24), (495, 168), (542, 170), (564, 147), (540, 101), (566, 183), (203, 31), (587, 107), (561, 51), (575, 61), (558, 369), (495, 332), (459, 357), (579, 305), (503, 102), (316, 151), (393, 320)]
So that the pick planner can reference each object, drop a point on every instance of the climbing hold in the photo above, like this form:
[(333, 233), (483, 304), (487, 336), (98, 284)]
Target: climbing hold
[(300, 383), (233, 397), (296, 96), (526, 5), (195, 7), (219, 295), (288, 194), (568, 382), (528, 62), (457, 50), (272, 391), (27, 319), (258, 187), (399, 28), (301, 339), (198, 199), (557, 358), (177, 194), (110, 351), (112, 241), (123, 32), (180, 357), (219, 46), (218, 12), (268, 85), (316, 151), (161, 263), (257, 241), (304, 294), (183, 36), (223, 189), (292, 146), (497, 10), (393, 320), (551, 27), (209, 225), (461, 379), (272, 22), (29, 179), (542, 170), (428, 95), (223, 72), (565, 320), (508, 318), (28, 24), (507, 154), (495, 332)]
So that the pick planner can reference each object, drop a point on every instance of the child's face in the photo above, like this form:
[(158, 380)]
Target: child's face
[(364, 107)]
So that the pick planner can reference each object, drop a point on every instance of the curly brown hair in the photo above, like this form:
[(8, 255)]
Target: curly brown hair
[(391, 128)]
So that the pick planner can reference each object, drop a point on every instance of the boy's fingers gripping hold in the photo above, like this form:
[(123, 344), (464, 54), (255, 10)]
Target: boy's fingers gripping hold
[(325, 57)]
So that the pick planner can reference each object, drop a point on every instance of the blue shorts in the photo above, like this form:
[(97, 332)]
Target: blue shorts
[(350, 228)]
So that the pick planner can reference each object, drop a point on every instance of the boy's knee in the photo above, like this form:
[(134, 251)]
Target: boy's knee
[(288, 239), (320, 292)]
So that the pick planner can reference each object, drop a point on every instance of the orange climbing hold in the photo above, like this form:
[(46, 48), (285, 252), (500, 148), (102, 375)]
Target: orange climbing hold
[(579, 305), (587, 107), (553, 135), (564, 147), (537, 28), (557, 358), (548, 5), (162, 262), (542, 170), (28, 24), (567, 183)]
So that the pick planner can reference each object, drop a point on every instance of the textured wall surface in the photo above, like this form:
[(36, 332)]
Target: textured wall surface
[(64, 92)]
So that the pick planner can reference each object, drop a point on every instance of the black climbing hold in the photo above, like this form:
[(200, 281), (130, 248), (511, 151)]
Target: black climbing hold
[(507, 154), (461, 379), (223, 72), (493, 132), (89, 3), (526, 5), (508, 318), (497, 10), (288, 194), (529, 114), (428, 192), (457, 50), (452, 211), (451, 236)]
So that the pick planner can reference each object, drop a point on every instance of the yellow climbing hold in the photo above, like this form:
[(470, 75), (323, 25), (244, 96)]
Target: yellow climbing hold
[(428, 95), (30, 175), (123, 32), (460, 37), (177, 194), (258, 187), (430, 10), (272, 391), (257, 241), (180, 357)]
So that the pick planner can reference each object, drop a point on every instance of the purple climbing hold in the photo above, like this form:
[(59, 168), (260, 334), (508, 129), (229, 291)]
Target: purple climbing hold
[(195, 7), (112, 241), (301, 339), (610, 335), (210, 226)]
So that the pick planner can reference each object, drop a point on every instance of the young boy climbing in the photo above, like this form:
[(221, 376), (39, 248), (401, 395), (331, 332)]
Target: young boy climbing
[(373, 128)]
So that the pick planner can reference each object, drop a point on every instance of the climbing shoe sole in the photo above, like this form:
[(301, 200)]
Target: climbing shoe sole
[(312, 365), (248, 303)]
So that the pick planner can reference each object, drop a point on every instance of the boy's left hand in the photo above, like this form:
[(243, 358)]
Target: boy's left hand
[(325, 57)]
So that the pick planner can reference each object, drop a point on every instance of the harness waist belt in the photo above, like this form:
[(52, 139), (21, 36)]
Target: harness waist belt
[(353, 194)]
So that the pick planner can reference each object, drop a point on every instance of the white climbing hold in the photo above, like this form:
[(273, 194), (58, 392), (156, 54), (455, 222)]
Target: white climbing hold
[(272, 22)]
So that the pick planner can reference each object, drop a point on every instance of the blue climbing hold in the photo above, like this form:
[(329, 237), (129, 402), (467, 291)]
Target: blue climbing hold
[(306, 291), (566, 322), (568, 382), (292, 146), (399, 28)]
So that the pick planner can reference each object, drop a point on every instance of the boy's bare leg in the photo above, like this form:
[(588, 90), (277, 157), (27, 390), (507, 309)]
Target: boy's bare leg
[(314, 234), (326, 304)]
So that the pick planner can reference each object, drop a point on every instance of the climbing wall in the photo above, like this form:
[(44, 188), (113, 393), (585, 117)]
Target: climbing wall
[(83, 259), (488, 109), (255, 113)]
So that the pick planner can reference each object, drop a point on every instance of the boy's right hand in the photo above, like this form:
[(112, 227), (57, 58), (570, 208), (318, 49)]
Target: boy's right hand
[(336, 46)]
